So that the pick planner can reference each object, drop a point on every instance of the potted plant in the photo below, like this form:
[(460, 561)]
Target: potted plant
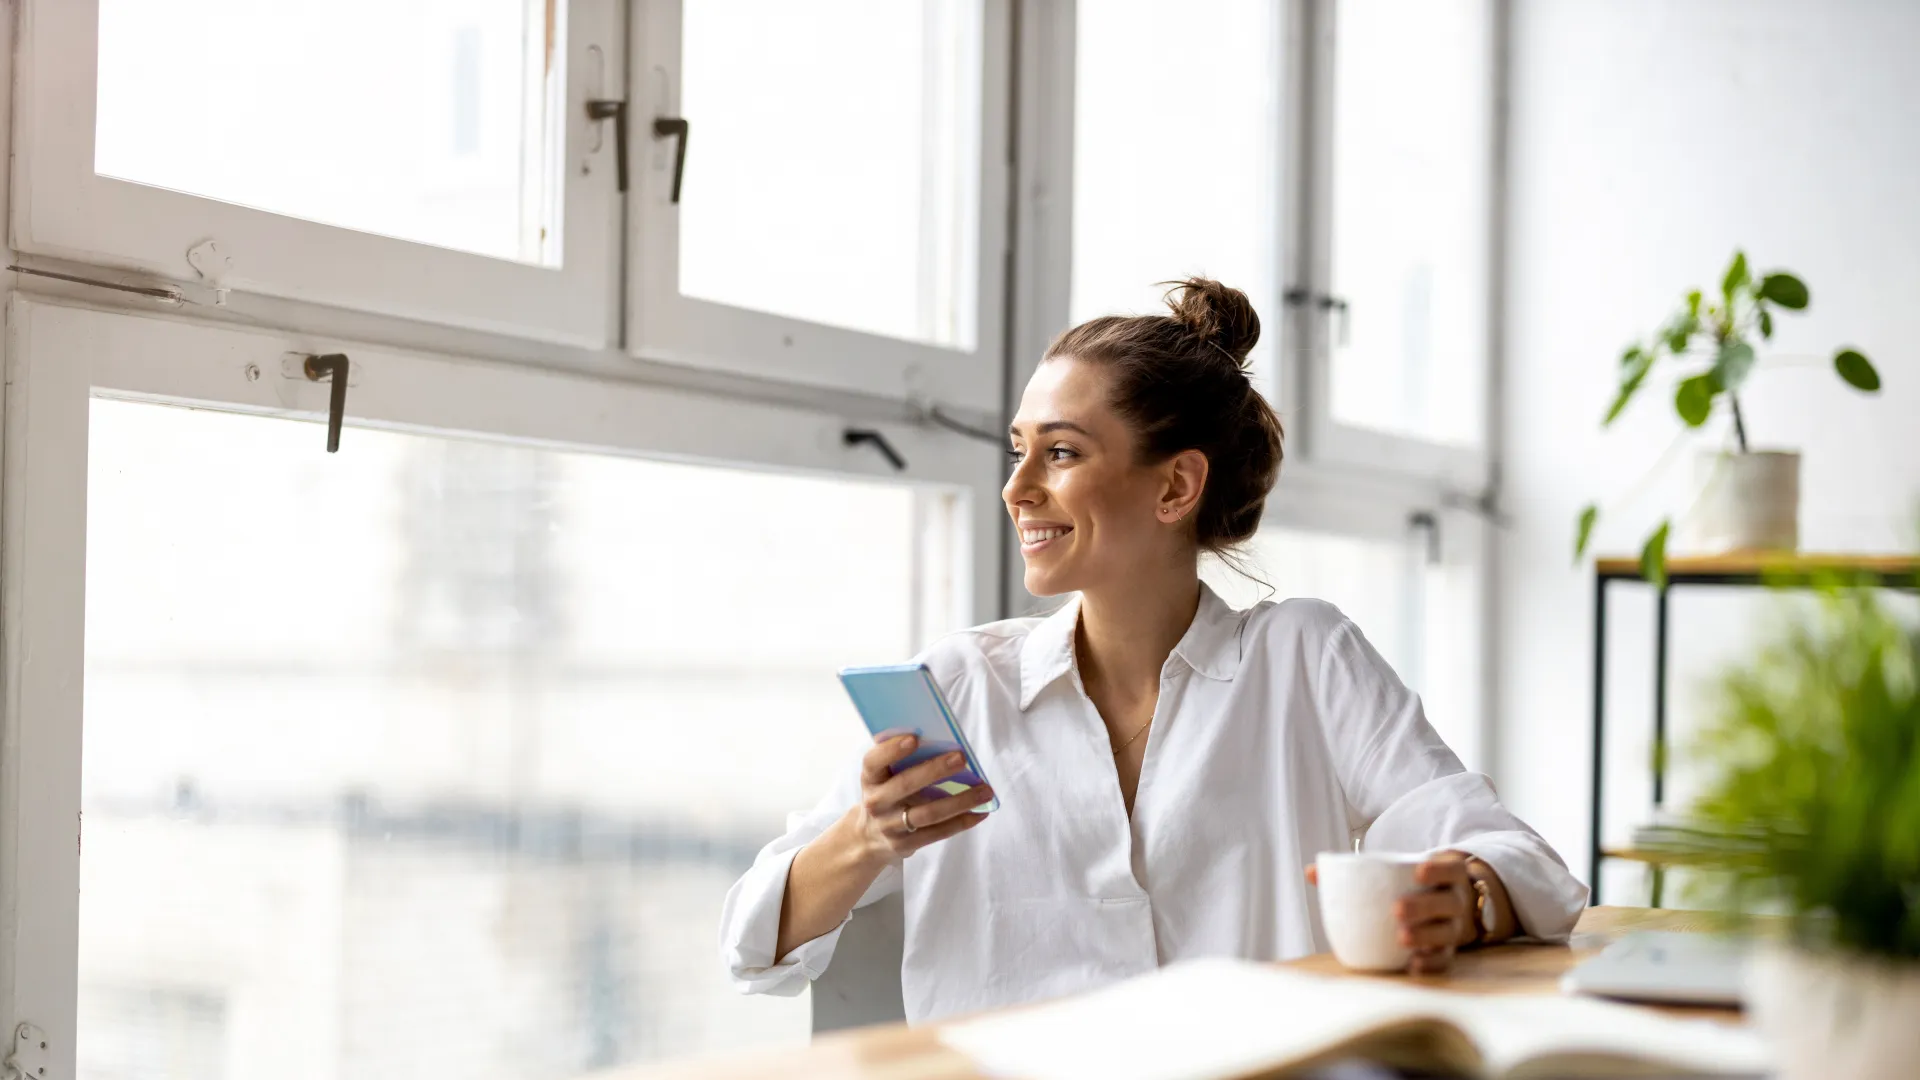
[(1813, 810), (1749, 499)]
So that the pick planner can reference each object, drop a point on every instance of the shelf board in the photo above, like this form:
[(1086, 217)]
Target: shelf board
[(1758, 563)]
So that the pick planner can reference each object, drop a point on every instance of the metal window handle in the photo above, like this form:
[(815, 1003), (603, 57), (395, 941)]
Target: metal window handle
[(1336, 304), (857, 436), (1427, 524), (615, 111), (1301, 297), (333, 367), (676, 128)]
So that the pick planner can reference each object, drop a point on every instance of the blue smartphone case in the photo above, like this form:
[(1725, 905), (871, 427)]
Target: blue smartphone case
[(902, 699)]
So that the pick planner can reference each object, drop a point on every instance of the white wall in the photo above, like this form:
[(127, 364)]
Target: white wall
[(1648, 139)]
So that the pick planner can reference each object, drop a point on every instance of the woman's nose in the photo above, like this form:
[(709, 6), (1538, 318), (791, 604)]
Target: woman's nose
[(1020, 490)]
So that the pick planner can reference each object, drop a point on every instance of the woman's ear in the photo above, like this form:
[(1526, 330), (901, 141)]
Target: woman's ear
[(1185, 478)]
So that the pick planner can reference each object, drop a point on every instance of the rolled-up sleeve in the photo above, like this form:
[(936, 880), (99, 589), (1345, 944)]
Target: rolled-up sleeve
[(1407, 791), (750, 918)]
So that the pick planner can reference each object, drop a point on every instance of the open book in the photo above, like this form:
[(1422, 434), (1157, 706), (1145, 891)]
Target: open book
[(1221, 1019)]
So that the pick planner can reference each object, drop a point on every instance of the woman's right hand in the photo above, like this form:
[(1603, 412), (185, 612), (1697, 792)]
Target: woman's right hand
[(893, 817), (828, 876)]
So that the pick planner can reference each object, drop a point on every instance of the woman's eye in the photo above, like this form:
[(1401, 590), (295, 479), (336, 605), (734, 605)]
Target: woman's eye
[(1057, 453)]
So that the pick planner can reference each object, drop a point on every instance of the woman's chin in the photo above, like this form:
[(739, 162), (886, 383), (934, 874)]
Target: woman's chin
[(1046, 581)]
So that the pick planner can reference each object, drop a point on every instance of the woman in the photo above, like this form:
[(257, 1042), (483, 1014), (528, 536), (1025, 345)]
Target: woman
[(1167, 767)]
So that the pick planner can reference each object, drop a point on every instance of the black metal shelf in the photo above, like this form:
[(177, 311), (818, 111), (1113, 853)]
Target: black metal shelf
[(1738, 570)]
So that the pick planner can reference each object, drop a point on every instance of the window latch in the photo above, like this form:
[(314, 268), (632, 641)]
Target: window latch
[(333, 368), (857, 436), (29, 1056), (615, 111), (1337, 305), (1427, 524), (675, 128)]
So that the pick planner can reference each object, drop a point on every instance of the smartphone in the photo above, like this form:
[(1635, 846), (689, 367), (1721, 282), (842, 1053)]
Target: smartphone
[(903, 699)]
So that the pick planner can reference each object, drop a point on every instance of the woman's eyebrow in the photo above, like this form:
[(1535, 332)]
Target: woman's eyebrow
[(1052, 426)]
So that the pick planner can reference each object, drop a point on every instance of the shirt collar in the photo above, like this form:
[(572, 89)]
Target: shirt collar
[(1211, 646)]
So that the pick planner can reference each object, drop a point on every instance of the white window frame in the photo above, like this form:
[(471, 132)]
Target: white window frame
[(62, 355), (63, 210), (1309, 243), (667, 326)]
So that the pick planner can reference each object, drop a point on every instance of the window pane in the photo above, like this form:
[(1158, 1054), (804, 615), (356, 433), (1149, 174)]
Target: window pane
[(1176, 155), (833, 170), (434, 121), (1412, 175), (435, 758)]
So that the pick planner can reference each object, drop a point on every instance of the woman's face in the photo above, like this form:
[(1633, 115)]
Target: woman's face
[(1090, 514)]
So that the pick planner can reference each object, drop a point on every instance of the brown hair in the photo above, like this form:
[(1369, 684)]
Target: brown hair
[(1180, 382)]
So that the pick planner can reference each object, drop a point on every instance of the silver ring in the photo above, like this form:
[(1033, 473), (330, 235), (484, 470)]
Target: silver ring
[(905, 821)]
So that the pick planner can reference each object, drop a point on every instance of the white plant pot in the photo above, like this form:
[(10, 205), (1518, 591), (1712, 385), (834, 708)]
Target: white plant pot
[(1829, 1015), (1747, 502)]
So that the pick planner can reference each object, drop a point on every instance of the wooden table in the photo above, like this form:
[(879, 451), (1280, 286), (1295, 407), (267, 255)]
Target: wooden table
[(896, 1052)]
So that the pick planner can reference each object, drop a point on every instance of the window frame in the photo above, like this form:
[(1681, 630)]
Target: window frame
[(62, 209), (62, 355), (1310, 241), (665, 326), (751, 408)]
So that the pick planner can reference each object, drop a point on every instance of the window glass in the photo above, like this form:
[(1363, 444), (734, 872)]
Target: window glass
[(833, 162), (1176, 155), (436, 757), (1412, 187), (435, 121)]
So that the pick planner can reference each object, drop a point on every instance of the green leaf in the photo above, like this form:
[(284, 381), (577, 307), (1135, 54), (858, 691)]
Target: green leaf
[(1637, 362), (1679, 332), (1784, 289), (1857, 370), (1694, 399), (1693, 304), (1653, 557), (1736, 279), (1587, 517), (1730, 368), (1766, 324)]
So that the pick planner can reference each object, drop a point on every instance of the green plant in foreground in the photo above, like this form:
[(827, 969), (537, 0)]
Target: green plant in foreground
[(1815, 806), (1719, 335)]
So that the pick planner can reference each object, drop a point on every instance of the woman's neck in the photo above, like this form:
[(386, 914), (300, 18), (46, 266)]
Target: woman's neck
[(1126, 634)]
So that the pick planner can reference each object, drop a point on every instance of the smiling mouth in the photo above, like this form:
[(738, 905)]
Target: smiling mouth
[(1034, 539)]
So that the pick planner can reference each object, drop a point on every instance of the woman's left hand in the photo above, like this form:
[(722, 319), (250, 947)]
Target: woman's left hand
[(1434, 923), (1440, 920)]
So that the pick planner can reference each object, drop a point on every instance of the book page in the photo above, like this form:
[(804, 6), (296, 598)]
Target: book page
[(1541, 1028), (1190, 1021), (1217, 1019)]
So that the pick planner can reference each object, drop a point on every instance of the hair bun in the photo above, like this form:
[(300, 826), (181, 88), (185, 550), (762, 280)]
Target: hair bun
[(1216, 314)]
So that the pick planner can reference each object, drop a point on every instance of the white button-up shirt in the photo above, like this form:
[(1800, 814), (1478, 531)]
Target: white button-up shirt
[(1279, 733)]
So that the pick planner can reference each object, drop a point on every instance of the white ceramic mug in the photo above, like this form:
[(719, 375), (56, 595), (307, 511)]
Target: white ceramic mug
[(1357, 894)]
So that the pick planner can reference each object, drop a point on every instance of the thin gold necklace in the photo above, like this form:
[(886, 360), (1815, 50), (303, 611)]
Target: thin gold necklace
[(1131, 738)]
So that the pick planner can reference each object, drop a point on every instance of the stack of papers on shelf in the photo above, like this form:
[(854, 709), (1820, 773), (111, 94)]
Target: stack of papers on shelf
[(1676, 834)]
